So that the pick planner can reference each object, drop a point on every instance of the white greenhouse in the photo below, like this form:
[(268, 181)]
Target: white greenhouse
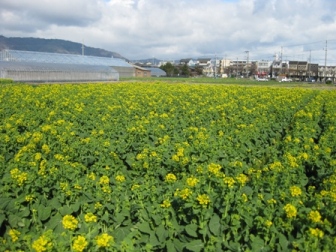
[(55, 72), (53, 67)]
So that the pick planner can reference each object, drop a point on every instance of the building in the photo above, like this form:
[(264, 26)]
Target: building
[(263, 68), (55, 72), (142, 71), (123, 68)]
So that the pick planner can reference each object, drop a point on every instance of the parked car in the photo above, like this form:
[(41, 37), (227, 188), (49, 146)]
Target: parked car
[(262, 79), (311, 80), (286, 80)]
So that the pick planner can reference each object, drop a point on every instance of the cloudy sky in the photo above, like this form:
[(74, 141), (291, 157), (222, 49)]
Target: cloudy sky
[(175, 29)]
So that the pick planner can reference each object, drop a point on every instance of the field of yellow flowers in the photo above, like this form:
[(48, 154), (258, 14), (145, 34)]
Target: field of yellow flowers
[(167, 167)]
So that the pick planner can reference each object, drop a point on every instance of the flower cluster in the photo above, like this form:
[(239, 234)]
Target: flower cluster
[(69, 222)]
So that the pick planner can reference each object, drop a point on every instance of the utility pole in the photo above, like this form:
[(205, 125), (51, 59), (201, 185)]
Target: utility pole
[(309, 64), (224, 63), (281, 61), (247, 62), (325, 62), (237, 68), (215, 66)]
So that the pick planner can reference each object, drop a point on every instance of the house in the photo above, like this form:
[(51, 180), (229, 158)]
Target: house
[(327, 73), (205, 62), (189, 62), (142, 71), (263, 68)]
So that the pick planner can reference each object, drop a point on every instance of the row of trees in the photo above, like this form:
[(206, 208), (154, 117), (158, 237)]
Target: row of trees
[(181, 70)]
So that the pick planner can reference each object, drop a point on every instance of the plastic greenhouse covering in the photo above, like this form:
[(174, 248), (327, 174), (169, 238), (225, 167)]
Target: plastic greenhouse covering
[(29, 56), (155, 71), (53, 72)]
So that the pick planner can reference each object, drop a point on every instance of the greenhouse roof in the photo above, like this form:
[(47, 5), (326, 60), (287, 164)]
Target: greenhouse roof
[(42, 57), (36, 66), (155, 71)]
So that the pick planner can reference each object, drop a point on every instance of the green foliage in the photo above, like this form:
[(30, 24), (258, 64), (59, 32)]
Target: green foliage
[(159, 167), (6, 81)]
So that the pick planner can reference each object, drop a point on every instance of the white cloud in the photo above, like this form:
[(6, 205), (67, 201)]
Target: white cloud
[(176, 29)]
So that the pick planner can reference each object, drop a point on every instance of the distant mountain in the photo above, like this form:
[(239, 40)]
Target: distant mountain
[(54, 46), (150, 61)]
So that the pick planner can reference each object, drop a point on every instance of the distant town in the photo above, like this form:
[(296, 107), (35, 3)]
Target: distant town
[(261, 69)]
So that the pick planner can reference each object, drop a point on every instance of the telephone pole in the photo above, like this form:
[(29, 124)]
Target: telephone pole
[(325, 62), (247, 62)]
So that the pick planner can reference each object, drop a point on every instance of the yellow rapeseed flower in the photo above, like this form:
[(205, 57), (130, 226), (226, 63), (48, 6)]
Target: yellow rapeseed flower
[(134, 187), (98, 205), (14, 234), (69, 222), (92, 176), (90, 217), (290, 211), (295, 191), (314, 216), (104, 180), (45, 148), (165, 204), (29, 198), (242, 179), (175, 158), (214, 169), (170, 177), (268, 223), (316, 232), (104, 240), (43, 243), (120, 178), (184, 194), (203, 199), (229, 181), (192, 181), (244, 197), (80, 243)]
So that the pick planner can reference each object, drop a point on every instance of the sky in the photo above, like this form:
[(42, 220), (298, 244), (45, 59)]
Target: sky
[(175, 29)]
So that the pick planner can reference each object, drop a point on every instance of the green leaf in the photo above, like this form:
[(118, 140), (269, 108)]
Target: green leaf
[(179, 245), (75, 207), (119, 218), (283, 242), (55, 222), (170, 246), (196, 245), (214, 224), (257, 244), (157, 219), (2, 218), (153, 239), (13, 220), (65, 210), (144, 228), (43, 212), (247, 190), (191, 230), (4, 202), (25, 212), (161, 233), (120, 233)]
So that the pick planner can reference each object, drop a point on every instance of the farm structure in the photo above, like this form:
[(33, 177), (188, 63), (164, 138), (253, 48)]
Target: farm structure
[(47, 67), (55, 72)]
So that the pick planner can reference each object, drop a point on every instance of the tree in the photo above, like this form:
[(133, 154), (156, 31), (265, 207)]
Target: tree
[(185, 70), (168, 68)]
